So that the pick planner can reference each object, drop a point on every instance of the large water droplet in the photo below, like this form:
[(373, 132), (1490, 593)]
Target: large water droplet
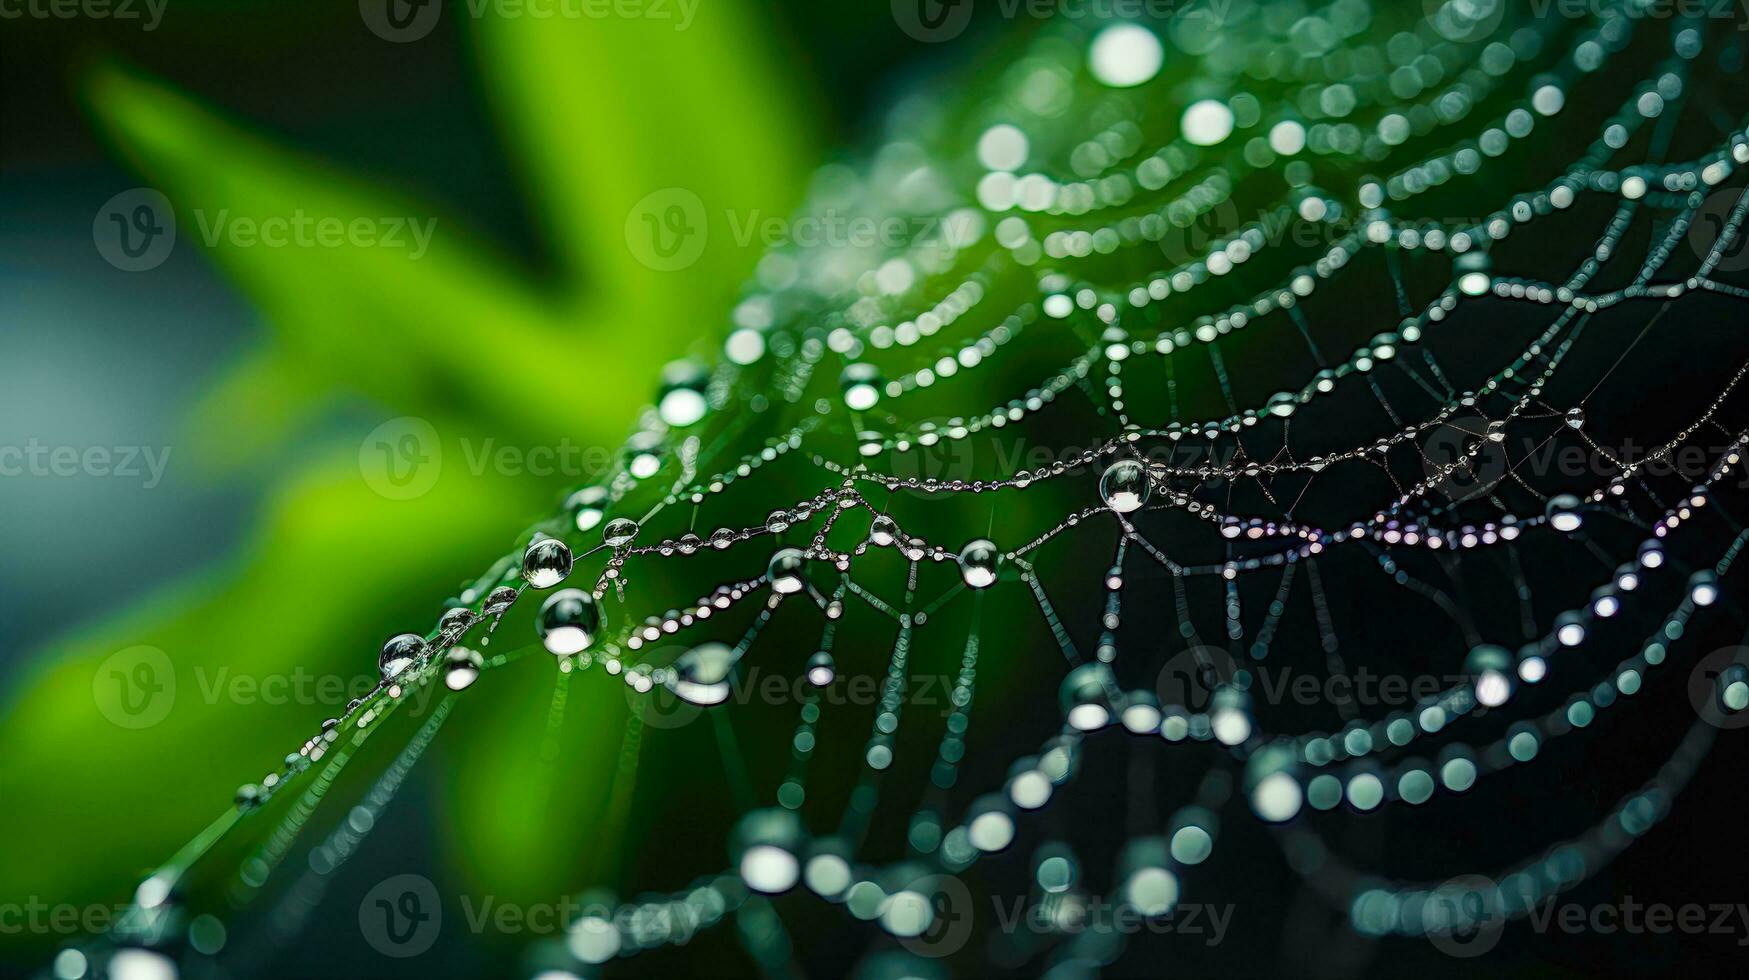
[(821, 669), (585, 507), (454, 622), (568, 622), (461, 667), (785, 571), (883, 531), (619, 532), (546, 563), (683, 393), (701, 675), (1086, 697), (400, 652), (978, 560), (861, 385), (1125, 486), (498, 600), (1563, 513)]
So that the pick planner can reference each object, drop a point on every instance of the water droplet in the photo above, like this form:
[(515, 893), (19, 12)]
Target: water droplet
[(1125, 486), (1086, 698), (683, 393), (701, 675), (619, 532), (461, 668), (978, 560), (546, 563), (883, 531), (585, 507), (454, 622), (821, 670), (861, 385), (568, 622), (1563, 513), (785, 571), (778, 522), (498, 601), (1575, 418), (400, 652)]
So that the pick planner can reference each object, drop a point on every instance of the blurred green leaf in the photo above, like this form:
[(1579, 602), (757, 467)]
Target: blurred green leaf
[(603, 113)]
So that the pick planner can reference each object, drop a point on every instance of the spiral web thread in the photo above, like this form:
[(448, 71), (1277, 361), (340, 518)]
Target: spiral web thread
[(832, 346)]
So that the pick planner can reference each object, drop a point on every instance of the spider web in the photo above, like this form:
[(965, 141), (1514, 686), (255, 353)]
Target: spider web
[(1299, 396)]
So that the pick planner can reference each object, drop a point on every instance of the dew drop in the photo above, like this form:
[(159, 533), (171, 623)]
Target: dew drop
[(546, 563), (585, 507), (821, 670), (861, 385), (461, 668), (454, 622), (701, 675), (400, 652), (619, 532), (1563, 513), (682, 401), (1125, 486), (978, 560), (568, 622), (498, 601), (785, 571)]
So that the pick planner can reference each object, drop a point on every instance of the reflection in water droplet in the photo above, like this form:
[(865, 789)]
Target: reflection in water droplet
[(568, 622)]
